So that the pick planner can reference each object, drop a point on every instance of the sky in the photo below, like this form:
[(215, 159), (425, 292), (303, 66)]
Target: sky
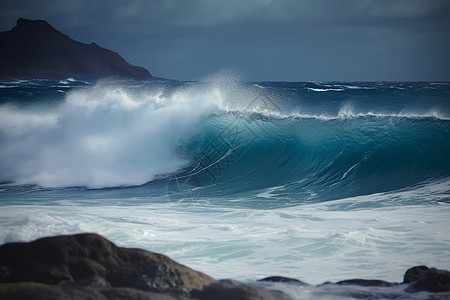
[(259, 40)]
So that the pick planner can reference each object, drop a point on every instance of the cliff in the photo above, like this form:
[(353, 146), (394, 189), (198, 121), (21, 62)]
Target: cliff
[(34, 49)]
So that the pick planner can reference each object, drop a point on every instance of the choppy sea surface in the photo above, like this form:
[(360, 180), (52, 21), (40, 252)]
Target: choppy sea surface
[(319, 181)]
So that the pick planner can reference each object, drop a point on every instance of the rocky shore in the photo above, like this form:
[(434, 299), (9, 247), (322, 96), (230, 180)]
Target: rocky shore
[(88, 266)]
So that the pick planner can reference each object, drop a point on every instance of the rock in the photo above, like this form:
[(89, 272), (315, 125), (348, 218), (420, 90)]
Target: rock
[(284, 280), (70, 292), (96, 281), (365, 282), (12, 288), (226, 290), (90, 259), (88, 266), (415, 273), (422, 278), (34, 49)]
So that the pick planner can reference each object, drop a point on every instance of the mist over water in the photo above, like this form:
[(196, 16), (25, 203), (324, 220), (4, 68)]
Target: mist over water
[(101, 136)]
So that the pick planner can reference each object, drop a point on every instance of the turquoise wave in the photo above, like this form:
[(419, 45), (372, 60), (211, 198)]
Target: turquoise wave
[(313, 158), (302, 141)]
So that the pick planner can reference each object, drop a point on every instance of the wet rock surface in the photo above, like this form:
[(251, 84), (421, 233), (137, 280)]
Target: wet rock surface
[(422, 278), (92, 260), (88, 266)]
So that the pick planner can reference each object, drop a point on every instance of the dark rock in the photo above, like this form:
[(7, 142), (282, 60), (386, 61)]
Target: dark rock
[(422, 278), (96, 281), (34, 49), (84, 293), (88, 266), (226, 290), (415, 273), (283, 280), (365, 282), (15, 287), (93, 260)]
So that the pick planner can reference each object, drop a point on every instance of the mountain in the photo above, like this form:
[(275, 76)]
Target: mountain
[(34, 49)]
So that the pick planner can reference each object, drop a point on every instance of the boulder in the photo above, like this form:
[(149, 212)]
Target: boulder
[(283, 280), (72, 292), (365, 282), (422, 278), (88, 266), (227, 289), (90, 259)]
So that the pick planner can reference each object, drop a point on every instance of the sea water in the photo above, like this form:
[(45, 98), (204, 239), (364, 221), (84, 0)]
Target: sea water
[(319, 181)]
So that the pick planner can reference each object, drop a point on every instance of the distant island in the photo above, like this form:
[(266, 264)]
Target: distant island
[(34, 49)]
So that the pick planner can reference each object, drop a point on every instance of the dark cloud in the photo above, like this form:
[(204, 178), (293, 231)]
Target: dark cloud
[(261, 39)]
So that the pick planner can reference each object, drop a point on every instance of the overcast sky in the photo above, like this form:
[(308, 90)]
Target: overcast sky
[(276, 40)]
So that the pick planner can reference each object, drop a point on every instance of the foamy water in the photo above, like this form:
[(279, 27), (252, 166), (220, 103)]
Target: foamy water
[(315, 181)]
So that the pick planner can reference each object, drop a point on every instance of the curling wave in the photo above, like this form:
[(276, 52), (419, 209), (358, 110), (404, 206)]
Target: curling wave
[(288, 138), (314, 158)]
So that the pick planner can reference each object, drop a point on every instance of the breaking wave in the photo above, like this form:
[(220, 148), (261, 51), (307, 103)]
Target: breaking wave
[(220, 133)]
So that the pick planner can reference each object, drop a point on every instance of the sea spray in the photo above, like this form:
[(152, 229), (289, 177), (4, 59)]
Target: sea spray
[(100, 136), (109, 135), (310, 180)]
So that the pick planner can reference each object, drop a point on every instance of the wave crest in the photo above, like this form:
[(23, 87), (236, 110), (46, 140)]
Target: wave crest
[(111, 134)]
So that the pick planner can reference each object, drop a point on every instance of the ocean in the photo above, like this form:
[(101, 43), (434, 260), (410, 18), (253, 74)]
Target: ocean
[(319, 181)]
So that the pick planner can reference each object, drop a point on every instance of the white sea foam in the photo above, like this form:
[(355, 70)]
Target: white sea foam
[(312, 242), (326, 90), (107, 135), (101, 136)]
